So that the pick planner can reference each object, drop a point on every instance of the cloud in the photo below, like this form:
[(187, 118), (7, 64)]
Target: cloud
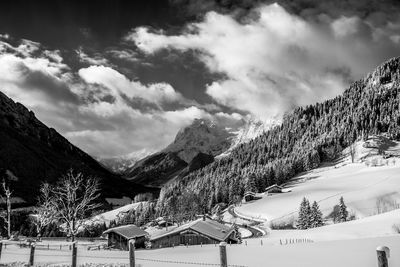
[(18, 75), (97, 108), (274, 60), (157, 93)]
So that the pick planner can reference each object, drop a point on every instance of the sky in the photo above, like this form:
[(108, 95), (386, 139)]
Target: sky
[(117, 77)]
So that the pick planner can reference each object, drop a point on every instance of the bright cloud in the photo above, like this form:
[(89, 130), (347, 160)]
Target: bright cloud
[(158, 93), (276, 60), (97, 108)]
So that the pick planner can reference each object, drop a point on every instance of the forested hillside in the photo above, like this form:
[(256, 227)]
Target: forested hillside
[(307, 136)]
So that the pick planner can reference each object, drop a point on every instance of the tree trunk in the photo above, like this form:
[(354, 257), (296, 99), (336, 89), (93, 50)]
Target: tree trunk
[(73, 231), (8, 216)]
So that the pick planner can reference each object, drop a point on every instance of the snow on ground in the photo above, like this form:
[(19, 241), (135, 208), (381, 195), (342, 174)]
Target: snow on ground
[(379, 225), (108, 216), (352, 253), (360, 185)]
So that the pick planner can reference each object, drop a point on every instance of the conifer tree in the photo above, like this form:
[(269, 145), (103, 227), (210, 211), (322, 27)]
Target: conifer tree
[(238, 235), (304, 214), (251, 183), (343, 213), (316, 216)]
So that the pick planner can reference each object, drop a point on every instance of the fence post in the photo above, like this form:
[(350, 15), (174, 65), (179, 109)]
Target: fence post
[(222, 254), (32, 255), (1, 248), (74, 250), (383, 253), (132, 253)]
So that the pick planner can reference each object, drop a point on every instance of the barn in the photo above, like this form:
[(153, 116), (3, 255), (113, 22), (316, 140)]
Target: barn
[(273, 189), (119, 237), (201, 231), (249, 196)]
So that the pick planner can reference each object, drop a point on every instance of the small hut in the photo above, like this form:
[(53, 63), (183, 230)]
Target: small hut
[(273, 189), (119, 237), (249, 196)]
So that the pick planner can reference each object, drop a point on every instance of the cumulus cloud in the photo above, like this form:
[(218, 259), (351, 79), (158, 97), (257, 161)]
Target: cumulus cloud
[(157, 93), (276, 60), (97, 108)]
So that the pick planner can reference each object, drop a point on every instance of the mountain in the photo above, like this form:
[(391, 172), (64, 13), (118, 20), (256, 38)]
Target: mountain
[(306, 137), (157, 169), (194, 147), (120, 164), (251, 129), (203, 136), (33, 153)]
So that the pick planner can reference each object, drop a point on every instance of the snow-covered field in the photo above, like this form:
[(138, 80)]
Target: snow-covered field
[(361, 186), (347, 253)]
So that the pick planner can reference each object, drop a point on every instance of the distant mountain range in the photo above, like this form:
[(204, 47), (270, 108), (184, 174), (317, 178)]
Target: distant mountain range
[(31, 153), (120, 164), (194, 147)]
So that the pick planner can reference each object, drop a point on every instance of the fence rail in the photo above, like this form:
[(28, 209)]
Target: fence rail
[(69, 258)]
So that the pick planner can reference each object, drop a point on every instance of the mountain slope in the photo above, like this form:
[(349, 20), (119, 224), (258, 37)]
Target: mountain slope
[(307, 136), (32, 152), (202, 136)]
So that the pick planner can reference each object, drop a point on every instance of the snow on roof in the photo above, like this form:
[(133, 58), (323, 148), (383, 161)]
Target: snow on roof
[(273, 186), (127, 231), (208, 228)]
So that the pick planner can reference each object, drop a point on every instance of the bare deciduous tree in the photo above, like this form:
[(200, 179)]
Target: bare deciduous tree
[(6, 198), (73, 199), (45, 211)]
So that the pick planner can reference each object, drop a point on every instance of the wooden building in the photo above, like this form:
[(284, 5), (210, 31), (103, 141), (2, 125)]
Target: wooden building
[(201, 231), (119, 237), (249, 196), (273, 189)]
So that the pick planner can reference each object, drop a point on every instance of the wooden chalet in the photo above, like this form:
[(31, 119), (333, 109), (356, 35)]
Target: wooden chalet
[(249, 196), (201, 231), (119, 237), (273, 189)]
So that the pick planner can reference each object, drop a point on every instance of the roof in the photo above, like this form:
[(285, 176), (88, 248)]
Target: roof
[(273, 186), (128, 231), (208, 228)]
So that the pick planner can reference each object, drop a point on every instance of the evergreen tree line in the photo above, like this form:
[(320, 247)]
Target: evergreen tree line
[(311, 216), (306, 137)]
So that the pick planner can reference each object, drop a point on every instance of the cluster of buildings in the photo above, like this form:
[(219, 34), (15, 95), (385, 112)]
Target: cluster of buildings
[(198, 232)]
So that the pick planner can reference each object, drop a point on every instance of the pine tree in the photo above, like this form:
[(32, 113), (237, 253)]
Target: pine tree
[(238, 235), (251, 183), (316, 216), (343, 213), (304, 215)]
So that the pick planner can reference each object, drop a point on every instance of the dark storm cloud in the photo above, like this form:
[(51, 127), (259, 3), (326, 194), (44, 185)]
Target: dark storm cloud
[(377, 10)]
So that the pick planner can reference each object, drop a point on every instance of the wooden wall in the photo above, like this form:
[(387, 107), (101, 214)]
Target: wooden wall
[(182, 239), (120, 242)]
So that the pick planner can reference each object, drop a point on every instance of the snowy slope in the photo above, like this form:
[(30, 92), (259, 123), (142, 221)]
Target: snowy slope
[(251, 129), (361, 186), (108, 216)]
